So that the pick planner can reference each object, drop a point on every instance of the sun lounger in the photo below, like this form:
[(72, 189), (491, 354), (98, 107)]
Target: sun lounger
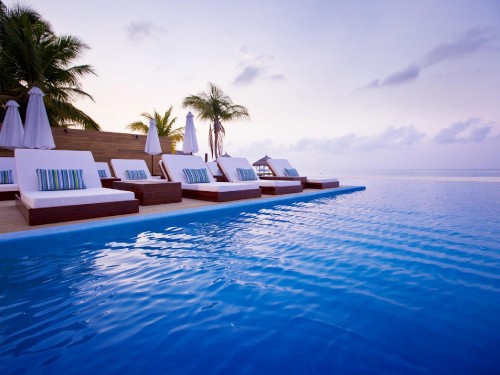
[(174, 166), (230, 166), (213, 167), (44, 198), (105, 174), (8, 179), (280, 167)]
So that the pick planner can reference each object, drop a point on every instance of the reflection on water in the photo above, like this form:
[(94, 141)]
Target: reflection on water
[(402, 278)]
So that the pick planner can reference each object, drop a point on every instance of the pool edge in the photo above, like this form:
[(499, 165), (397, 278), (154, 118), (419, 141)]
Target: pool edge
[(68, 228)]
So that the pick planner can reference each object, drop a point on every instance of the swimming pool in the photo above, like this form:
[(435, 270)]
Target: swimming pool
[(399, 279)]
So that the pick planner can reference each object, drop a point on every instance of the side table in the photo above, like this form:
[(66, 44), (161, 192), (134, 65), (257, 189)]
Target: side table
[(151, 192)]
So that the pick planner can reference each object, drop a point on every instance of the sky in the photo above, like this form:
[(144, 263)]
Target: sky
[(329, 84)]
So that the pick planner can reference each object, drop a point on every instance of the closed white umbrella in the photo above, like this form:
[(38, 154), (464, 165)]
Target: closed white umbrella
[(37, 132), (12, 133), (153, 146), (190, 145)]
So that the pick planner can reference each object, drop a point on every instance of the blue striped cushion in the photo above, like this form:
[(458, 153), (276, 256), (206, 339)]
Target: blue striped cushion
[(246, 174), (291, 172), (196, 176), (60, 179), (136, 174), (102, 173), (6, 177)]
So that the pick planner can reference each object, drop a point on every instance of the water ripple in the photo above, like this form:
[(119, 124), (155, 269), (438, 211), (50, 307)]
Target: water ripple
[(361, 283)]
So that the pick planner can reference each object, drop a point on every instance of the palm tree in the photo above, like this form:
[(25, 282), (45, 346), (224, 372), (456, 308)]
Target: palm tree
[(32, 55), (215, 106), (164, 124)]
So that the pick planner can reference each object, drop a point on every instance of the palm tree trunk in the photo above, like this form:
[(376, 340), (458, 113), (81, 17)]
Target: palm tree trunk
[(216, 138), (211, 140)]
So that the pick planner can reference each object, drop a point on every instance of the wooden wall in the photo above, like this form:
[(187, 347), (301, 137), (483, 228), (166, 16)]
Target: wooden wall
[(105, 145)]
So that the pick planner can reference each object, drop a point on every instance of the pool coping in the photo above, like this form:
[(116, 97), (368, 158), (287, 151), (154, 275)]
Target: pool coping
[(45, 233)]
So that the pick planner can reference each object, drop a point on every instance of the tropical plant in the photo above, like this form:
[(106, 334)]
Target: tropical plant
[(164, 124), (32, 55), (215, 106)]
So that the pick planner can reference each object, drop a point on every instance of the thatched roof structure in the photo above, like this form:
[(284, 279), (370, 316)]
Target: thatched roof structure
[(262, 167), (262, 162)]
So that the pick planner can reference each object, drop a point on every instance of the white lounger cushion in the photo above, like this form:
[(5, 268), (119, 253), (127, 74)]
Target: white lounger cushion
[(120, 167), (229, 167), (214, 168), (43, 199), (321, 180), (219, 187), (9, 164), (28, 161), (103, 165), (9, 187), (174, 164), (278, 167)]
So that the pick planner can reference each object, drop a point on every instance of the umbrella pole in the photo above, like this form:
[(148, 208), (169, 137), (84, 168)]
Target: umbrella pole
[(151, 164)]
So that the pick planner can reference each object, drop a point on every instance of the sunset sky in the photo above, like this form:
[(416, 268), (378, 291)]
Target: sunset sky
[(329, 84)]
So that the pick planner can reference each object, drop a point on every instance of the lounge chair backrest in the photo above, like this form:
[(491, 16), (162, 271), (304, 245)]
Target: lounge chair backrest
[(213, 167), (7, 164), (121, 166), (229, 165), (278, 166), (29, 160), (174, 164), (103, 165)]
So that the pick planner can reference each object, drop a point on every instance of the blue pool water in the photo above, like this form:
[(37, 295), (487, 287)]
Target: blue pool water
[(402, 278)]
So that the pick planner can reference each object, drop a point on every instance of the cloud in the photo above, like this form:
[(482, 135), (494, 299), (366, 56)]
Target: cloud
[(253, 68), (138, 31), (469, 42), (408, 74), (471, 130), (391, 137), (249, 74)]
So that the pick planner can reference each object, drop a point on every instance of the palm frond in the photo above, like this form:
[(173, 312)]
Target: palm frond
[(31, 54), (215, 106), (138, 127)]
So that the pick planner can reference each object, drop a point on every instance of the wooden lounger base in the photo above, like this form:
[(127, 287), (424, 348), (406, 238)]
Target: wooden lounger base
[(48, 215), (8, 195), (225, 196), (323, 185), (278, 190)]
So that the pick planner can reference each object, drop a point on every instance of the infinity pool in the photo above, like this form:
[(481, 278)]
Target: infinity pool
[(402, 278)]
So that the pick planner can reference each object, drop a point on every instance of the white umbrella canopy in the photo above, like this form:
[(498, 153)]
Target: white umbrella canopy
[(153, 146), (12, 133), (37, 132), (190, 145)]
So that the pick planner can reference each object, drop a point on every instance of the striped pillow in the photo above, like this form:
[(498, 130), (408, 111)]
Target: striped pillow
[(291, 172), (196, 176), (246, 174), (136, 174), (60, 179), (6, 177), (102, 173)]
